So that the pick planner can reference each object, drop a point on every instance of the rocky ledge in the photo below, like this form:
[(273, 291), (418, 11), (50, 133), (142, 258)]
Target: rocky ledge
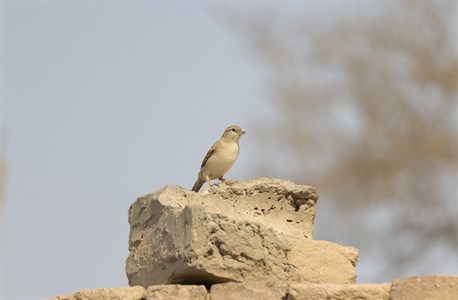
[(413, 288), (253, 230)]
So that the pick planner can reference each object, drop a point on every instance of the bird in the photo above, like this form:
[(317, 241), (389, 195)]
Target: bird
[(220, 158)]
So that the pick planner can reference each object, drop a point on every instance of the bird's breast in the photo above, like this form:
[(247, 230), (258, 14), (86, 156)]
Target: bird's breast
[(221, 161)]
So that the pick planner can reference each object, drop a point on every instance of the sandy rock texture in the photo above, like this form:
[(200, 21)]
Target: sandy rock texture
[(258, 229), (177, 292), (339, 291), (117, 293), (266, 290), (424, 288)]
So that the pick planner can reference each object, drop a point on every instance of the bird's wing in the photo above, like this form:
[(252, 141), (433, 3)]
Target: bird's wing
[(208, 155)]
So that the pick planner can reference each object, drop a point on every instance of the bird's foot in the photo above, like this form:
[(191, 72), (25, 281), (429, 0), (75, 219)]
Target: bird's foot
[(227, 182)]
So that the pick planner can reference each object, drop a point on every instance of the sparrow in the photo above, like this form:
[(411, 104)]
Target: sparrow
[(220, 157)]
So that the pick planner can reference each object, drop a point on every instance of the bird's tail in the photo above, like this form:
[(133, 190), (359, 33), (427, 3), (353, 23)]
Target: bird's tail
[(199, 183)]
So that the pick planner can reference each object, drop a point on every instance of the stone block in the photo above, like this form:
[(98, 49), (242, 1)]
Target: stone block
[(425, 288), (339, 291), (248, 290), (176, 292), (117, 293), (254, 230)]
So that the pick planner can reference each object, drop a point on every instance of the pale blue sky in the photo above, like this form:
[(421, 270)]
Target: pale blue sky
[(105, 101)]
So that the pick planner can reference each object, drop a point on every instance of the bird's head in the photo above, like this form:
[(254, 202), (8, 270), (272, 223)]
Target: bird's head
[(233, 132)]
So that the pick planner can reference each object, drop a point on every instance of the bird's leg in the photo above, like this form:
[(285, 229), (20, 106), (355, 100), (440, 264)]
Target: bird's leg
[(207, 179), (226, 181)]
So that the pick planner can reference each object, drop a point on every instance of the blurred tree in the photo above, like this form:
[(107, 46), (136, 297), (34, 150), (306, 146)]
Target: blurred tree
[(365, 109)]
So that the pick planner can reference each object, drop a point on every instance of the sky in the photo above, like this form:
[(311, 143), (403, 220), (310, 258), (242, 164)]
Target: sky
[(103, 102)]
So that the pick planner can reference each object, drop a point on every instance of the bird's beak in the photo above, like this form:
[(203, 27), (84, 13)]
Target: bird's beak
[(242, 131)]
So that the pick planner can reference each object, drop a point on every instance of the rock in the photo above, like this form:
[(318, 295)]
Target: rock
[(425, 288), (177, 292), (248, 290), (118, 293), (339, 291), (254, 230), (323, 262)]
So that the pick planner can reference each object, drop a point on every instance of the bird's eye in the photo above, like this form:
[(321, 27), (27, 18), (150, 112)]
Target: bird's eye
[(233, 129)]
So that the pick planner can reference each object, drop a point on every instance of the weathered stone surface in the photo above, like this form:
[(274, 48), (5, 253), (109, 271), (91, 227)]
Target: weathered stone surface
[(254, 230), (177, 292), (323, 262), (425, 288), (339, 291), (118, 293), (268, 290)]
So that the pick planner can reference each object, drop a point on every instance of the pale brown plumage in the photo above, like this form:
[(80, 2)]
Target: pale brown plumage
[(220, 157)]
